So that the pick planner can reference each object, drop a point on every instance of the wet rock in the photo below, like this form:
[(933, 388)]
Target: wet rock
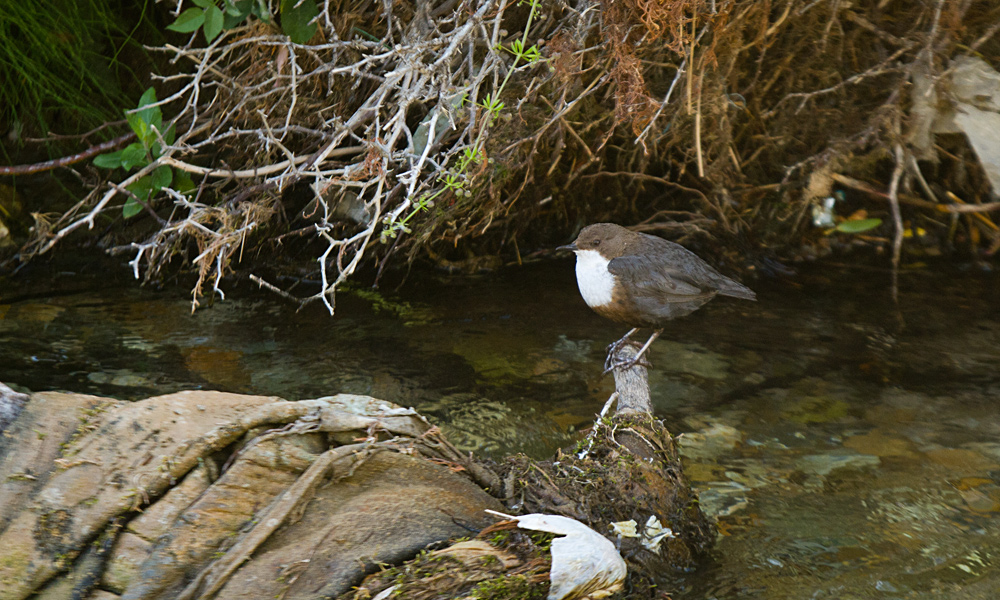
[(217, 366), (499, 359), (670, 392), (164, 453), (989, 449), (709, 443), (961, 461), (817, 466), (11, 405), (980, 494), (751, 473), (703, 472), (121, 378), (676, 357), (882, 444), (30, 445), (259, 474), (37, 312), (721, 499), (390, 508)]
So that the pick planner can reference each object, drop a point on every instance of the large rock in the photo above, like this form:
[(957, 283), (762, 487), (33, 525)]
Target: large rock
[(389, 509), (228, 483)]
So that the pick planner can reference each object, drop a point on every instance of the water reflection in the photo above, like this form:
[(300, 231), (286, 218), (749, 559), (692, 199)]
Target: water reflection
[(849, 448)]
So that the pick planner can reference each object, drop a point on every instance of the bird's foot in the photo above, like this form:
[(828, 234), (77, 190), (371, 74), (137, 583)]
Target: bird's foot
[(614, 363), (609, 362), (612, 358), (614, 347)]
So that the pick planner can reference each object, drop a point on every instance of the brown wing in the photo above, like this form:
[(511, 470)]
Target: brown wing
[(652, 275), (680, 268), (655, 291)]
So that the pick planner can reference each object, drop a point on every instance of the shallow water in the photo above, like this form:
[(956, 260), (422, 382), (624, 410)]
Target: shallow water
[(849, 447)]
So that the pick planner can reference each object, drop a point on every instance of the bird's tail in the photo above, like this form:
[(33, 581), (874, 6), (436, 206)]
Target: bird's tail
[(728, 287)]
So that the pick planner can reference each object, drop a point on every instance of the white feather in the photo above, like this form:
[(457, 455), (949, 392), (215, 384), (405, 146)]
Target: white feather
[(592, 276)]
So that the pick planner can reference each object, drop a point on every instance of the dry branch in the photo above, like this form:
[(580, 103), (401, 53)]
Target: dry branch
[(383, 122)]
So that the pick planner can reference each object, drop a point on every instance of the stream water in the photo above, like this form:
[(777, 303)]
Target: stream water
[(848, 446)]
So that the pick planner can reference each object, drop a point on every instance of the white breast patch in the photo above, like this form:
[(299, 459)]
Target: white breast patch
[(592, 275)]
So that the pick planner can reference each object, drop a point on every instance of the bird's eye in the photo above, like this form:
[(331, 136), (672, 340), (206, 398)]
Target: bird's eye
[(597, 243)]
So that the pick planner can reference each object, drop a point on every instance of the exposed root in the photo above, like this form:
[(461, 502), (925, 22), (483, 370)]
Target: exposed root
[(431, 128)]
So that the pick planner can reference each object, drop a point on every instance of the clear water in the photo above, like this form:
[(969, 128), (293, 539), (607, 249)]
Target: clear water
[(849, 446)]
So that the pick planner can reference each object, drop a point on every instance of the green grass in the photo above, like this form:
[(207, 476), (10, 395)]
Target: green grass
[(66, 65)]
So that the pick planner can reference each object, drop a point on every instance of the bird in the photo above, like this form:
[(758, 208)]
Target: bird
[(641, 280)]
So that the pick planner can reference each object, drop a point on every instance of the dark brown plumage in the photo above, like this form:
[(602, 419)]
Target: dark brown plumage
[(641, 280)]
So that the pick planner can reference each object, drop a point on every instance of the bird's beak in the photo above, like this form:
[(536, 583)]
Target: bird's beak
[(570, 247)]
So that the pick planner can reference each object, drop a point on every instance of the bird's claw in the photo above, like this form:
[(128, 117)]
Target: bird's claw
[(613, 364), (614, 347)]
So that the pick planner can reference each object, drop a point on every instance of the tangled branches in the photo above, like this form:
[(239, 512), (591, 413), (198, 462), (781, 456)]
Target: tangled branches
[(378, 126), (423, 125)]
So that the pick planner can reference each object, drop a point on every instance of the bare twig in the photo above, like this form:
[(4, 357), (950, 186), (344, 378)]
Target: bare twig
[(897, 218), (66, 160)]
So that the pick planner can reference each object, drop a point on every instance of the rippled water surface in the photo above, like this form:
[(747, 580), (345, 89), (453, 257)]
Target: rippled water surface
[(849, 446)]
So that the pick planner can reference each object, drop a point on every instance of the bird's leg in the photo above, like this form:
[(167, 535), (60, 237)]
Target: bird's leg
[(615, 347), (645, 347), (628, 364)]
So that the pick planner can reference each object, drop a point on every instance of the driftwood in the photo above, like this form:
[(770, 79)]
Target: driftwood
[(631, 385)]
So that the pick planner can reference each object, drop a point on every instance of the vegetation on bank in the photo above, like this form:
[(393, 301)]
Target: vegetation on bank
[(68, 66), (363, 133)]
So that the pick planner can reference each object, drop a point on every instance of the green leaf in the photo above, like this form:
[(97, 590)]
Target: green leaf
[(239, 8), (131, 208), (202, 3), (183, 182), (134, 154), (170, 134), (142, 187), (213, 23), (139, 126), (162, 177), (142, 190), (229, 21), (141, 120), (188, 21), (150, 115), (236, 13), (858, 226), (111, 160), (296, 19)]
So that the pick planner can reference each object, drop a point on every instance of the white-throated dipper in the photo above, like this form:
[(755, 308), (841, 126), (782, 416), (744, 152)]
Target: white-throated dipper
[(641, 280)]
